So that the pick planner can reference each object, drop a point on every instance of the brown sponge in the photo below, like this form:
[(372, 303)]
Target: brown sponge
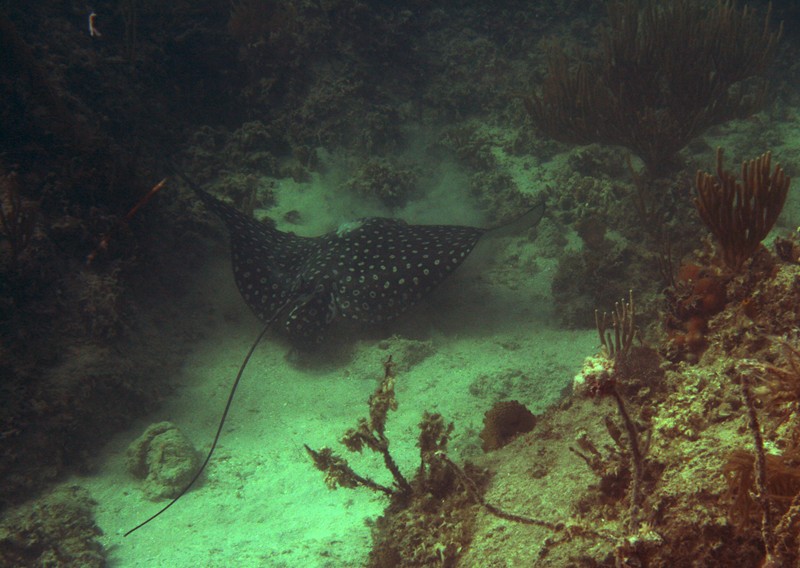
[(503, 422)]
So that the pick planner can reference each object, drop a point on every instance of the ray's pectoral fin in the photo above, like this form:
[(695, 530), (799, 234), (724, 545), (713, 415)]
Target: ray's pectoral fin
[(310, 316)]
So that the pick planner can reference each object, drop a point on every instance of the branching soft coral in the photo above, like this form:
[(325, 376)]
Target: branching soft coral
[(740, 213), (666, 72), (368, 433)]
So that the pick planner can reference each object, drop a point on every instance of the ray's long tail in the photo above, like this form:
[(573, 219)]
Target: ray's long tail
[(228, 403)]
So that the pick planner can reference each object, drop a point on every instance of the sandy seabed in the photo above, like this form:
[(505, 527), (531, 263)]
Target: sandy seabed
[(260, 501)]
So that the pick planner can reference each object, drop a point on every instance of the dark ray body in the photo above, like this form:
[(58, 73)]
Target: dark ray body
[(370, 270)]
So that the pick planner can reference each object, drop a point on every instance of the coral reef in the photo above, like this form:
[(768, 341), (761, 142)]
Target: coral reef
[(17, 217), (621, 238), (57, 529), (656, 506), (386, 181), (664, 75), (697, 294), (665, 468), (711, 509), (739, 214)]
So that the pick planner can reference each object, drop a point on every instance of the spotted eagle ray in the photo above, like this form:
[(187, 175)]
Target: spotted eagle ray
[(369, 271)]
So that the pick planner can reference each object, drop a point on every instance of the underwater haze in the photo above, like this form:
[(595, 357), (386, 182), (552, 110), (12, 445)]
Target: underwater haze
[(343, 283)]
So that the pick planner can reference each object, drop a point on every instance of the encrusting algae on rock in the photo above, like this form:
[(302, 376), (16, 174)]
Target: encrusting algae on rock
[(164, 458)]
